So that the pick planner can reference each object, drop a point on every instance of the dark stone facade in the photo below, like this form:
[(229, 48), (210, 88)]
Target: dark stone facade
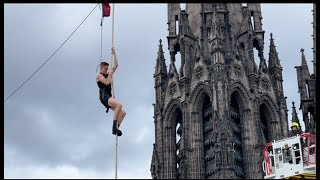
[(214, 115)]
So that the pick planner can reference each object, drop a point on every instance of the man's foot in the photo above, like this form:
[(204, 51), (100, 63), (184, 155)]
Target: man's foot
[(118, 132), (115, 130)]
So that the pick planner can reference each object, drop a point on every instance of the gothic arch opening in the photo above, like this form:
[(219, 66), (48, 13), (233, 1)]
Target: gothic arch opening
[(255, 51), (201, 134), (206, 114), (264, 118), (237, 142), (177, 118), (172, 134)]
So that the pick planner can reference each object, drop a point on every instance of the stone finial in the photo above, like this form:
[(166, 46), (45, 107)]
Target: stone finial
[(303, 58), (293, 104)]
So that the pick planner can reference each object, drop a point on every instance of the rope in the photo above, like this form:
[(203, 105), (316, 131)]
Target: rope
[(51, 55), (112, 59), (112, 46), (101, 44), (101, 24)]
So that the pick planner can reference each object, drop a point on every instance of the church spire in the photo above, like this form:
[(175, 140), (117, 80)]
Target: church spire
[(161, 64), (275, 69), (304, 64), (274, 61)]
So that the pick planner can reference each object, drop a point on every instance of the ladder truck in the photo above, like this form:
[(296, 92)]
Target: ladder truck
[(291, 158)]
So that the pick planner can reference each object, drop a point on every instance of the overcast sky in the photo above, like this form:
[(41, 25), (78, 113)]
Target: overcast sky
[(55, 126)]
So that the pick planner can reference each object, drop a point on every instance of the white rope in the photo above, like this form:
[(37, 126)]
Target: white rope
[(112, 59), (101, 42)]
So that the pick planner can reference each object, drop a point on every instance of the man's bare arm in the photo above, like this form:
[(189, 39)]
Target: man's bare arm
[(105, 81), (115, 59)]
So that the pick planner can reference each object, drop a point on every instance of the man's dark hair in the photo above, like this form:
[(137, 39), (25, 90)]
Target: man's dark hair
[(104, 64)]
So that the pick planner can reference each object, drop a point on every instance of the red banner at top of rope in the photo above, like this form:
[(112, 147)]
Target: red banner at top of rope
[(106, 9)]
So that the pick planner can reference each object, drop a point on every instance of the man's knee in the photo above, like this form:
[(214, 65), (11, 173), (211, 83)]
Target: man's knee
[(119, 106), (124, 113)]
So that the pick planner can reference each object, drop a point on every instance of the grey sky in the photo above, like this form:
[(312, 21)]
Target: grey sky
[(55, 126)]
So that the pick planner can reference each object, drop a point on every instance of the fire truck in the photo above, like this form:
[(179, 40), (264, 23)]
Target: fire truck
[(291, 158)]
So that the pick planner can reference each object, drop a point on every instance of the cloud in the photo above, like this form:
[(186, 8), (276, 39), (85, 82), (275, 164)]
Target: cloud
[(59, 172)]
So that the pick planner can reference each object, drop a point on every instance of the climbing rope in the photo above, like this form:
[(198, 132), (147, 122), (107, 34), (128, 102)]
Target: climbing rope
[(113, 95), (101, 38), (112, 59), (101, 43)]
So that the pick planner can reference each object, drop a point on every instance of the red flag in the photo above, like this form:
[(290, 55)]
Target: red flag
[(106, 9)]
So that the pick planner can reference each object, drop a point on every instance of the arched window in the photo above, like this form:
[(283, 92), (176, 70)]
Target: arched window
[(265, 117), (207, 136), (178, 135), (263, 110), (237, 143)]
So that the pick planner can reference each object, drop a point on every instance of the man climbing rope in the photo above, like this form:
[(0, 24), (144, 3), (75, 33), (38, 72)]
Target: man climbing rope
[(104, 81)]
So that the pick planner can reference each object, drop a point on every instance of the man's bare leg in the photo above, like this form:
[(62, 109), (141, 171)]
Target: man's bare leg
[(121, 116), (116, 106)]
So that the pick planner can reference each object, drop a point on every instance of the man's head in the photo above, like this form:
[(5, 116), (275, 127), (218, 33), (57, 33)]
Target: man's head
[(104, 66), (294, 126)]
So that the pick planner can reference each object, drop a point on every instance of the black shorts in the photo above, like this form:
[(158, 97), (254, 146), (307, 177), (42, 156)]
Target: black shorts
[(104, 98)]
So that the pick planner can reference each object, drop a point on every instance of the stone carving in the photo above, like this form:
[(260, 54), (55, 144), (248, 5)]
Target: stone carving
[(199, 72), (237, 70), (173, 88), (265, 83)]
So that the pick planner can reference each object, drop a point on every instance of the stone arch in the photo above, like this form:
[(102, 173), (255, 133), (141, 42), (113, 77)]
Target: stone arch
[(267, 121), (201, 130), (239, 105), (169, 110), (242, 94), (269, 109), (268, 99), (271, 104), (199, 89), (172, 111)]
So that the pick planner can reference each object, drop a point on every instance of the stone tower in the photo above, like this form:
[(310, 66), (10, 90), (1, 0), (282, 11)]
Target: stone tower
[(307, 85), (215, 114)]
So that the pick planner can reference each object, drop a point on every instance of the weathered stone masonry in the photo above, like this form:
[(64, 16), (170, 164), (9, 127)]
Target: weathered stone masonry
[(214, 115)]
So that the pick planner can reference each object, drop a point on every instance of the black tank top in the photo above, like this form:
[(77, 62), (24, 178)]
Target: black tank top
[(104, 88)]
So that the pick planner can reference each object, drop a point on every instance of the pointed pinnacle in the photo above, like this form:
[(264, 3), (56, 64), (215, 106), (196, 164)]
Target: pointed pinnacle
[(272, 40), (303, 58), (293, 104)]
